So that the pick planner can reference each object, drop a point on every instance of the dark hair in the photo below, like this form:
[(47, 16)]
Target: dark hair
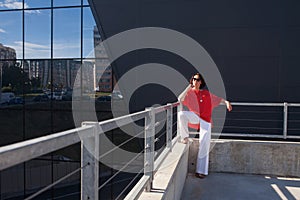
[(203, 83)]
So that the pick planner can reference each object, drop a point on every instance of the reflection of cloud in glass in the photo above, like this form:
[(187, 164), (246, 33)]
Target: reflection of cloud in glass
[(2, 30), (31, 50), (66, 49), (31, 45), (43, 51), (13, 4), (32, 11)]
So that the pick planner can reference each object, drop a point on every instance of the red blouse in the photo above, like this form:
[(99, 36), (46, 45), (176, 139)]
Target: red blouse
[(201, 102)]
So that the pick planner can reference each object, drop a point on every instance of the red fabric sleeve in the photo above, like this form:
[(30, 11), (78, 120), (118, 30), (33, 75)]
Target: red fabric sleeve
[(187, 100), (192, 102), (215, 100)]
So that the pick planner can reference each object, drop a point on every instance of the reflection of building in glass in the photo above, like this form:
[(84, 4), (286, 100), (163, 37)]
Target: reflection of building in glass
[(103, 71), (64, 72), (7, 60), (38, 69), (8, 54)]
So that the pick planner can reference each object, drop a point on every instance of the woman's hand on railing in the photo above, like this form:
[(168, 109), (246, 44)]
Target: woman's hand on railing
[(228, 104)]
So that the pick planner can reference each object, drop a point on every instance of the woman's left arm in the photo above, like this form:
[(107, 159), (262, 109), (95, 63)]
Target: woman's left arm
[(218, 100)]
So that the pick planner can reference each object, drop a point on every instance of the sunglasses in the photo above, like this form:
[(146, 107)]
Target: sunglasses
[(196, 79)]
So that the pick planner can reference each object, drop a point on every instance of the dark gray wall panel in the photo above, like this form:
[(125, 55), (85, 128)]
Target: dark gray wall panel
[(254, 43)]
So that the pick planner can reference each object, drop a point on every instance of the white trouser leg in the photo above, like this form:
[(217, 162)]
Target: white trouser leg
[(185, 117), (203, 153)]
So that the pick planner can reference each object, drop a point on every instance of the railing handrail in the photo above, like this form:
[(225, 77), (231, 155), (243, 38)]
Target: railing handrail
[(17, 153), (263, 104), (255, 104)]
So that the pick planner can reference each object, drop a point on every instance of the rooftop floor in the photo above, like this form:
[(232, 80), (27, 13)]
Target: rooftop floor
[(241, 186)]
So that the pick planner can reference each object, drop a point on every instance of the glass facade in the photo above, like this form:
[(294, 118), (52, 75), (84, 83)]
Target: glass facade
[(43, 46)]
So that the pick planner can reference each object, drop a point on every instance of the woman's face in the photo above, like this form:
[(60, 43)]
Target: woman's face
[(196, 81)]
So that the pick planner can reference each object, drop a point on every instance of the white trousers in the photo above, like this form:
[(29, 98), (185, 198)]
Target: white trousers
[(185, 117)]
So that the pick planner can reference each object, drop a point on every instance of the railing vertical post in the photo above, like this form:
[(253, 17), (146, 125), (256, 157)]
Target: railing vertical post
[(169, 126), (149, 146), (90, 165), (285, 116), (179, 108)]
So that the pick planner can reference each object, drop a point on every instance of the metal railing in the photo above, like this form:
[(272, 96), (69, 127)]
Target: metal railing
[(88, 135), (282, 120)]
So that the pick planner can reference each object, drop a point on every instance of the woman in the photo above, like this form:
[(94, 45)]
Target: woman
[(200, 103)]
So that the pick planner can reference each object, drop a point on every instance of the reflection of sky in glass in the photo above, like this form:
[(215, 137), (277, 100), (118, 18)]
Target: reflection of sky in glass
[(85, 2), (66, 2), (88, 33), (38, 35), (17, 4), (66, 33), (11, 30), (38, 3)]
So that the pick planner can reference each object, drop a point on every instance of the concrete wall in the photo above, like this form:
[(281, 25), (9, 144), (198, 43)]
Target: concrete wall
[(251, 157)]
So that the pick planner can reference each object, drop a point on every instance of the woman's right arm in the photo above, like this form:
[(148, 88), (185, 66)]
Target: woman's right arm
[(181, 97)]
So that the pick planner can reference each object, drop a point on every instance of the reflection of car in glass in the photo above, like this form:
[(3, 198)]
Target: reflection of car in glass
[(16, 100), (6, 97), (104, 98), (55, 96), (67, 96), (42, 97), (116, 95)]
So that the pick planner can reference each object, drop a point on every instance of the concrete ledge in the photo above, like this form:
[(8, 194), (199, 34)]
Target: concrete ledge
[(170, 177), (251, 157)]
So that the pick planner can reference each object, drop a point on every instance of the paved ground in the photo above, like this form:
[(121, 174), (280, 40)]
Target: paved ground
[(226, 186)]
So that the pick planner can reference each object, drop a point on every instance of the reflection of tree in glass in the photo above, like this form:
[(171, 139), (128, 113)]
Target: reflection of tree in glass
[(35, 83), (13, 76)]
